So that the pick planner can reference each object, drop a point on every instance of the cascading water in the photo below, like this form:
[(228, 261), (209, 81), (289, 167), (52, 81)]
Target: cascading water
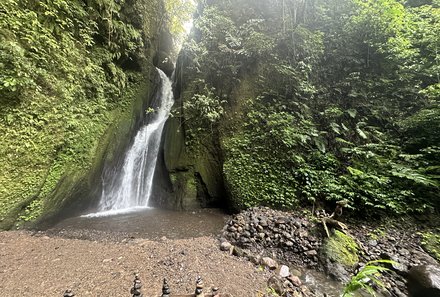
[(131, 188)]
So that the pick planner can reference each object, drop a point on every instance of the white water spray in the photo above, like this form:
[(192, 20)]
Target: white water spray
[(130, 189)]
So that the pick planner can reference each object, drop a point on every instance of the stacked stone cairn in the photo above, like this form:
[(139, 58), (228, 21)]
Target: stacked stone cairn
[(137, 285), (68, 293), (199, 287), (165, 289)]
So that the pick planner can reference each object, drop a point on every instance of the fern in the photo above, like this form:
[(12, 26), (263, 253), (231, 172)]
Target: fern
[(413, 175), (366, 278)]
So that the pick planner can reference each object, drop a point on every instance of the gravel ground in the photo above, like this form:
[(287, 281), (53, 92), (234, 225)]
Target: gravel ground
[(34, 264)]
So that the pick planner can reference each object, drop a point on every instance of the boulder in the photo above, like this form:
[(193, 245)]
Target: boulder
[(225, 246), (339, 254), (276, 283), (424, 281), (294, 280), (269, 262)]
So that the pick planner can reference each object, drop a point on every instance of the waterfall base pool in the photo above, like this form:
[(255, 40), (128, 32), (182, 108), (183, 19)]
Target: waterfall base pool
[(155, 224), (150, 223)]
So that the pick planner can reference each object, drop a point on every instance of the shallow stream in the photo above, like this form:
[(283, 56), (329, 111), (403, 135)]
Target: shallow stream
[(150, 223)]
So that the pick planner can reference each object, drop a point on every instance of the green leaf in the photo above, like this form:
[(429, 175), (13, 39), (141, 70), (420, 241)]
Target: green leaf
[(352, 112)]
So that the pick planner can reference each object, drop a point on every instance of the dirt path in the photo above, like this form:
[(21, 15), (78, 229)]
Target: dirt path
[(46, 266)]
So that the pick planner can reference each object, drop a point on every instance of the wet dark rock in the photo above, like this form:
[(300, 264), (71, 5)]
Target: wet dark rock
[(424, 281), (400, 264), (239, 252), (276, 283), (337, 271)]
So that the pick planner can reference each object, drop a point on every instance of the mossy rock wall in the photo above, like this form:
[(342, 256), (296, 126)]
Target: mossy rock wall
[(77, 95), (78, 190), (195, 175), (200, 161)]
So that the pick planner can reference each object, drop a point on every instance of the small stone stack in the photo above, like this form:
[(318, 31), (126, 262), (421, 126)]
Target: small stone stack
[(165, 289), (137, 285), (68, 293), (199, 287)]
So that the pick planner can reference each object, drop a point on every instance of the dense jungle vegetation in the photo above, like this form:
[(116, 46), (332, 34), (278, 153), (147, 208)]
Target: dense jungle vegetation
[(69, 71), (318, 101), (305, 102)]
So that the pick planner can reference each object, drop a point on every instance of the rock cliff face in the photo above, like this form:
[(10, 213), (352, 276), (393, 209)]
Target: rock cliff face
[(78, 191), (75, 193), (195, 177), (84, 110)]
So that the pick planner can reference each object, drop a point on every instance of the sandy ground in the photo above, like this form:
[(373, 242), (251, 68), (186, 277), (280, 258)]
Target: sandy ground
[(39, 265)]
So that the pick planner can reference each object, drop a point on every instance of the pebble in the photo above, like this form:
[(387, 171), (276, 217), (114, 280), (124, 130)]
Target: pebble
[(295, 280), (311, 253), (269, 262), (225, 246), (284, 271)]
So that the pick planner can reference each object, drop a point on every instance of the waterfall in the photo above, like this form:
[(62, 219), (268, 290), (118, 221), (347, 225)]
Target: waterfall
[(131, 188)]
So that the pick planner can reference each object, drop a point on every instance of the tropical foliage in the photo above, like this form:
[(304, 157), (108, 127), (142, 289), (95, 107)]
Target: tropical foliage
[(323, 101), (367, 279), (67, 68)]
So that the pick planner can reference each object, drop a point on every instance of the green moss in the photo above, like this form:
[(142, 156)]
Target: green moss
[(341, 248), (377, 234), (185, 189), (431, 243), (70, 93), (174, 143)]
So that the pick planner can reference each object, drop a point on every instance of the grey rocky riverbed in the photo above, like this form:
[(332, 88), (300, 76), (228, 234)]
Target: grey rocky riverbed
[(299, 241)]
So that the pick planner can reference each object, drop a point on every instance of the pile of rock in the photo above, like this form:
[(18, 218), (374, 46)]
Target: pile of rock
[(285, 283), (199, 287), (165, 289), (137, 285), (263, 229), (399, 245), (262, 235)]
